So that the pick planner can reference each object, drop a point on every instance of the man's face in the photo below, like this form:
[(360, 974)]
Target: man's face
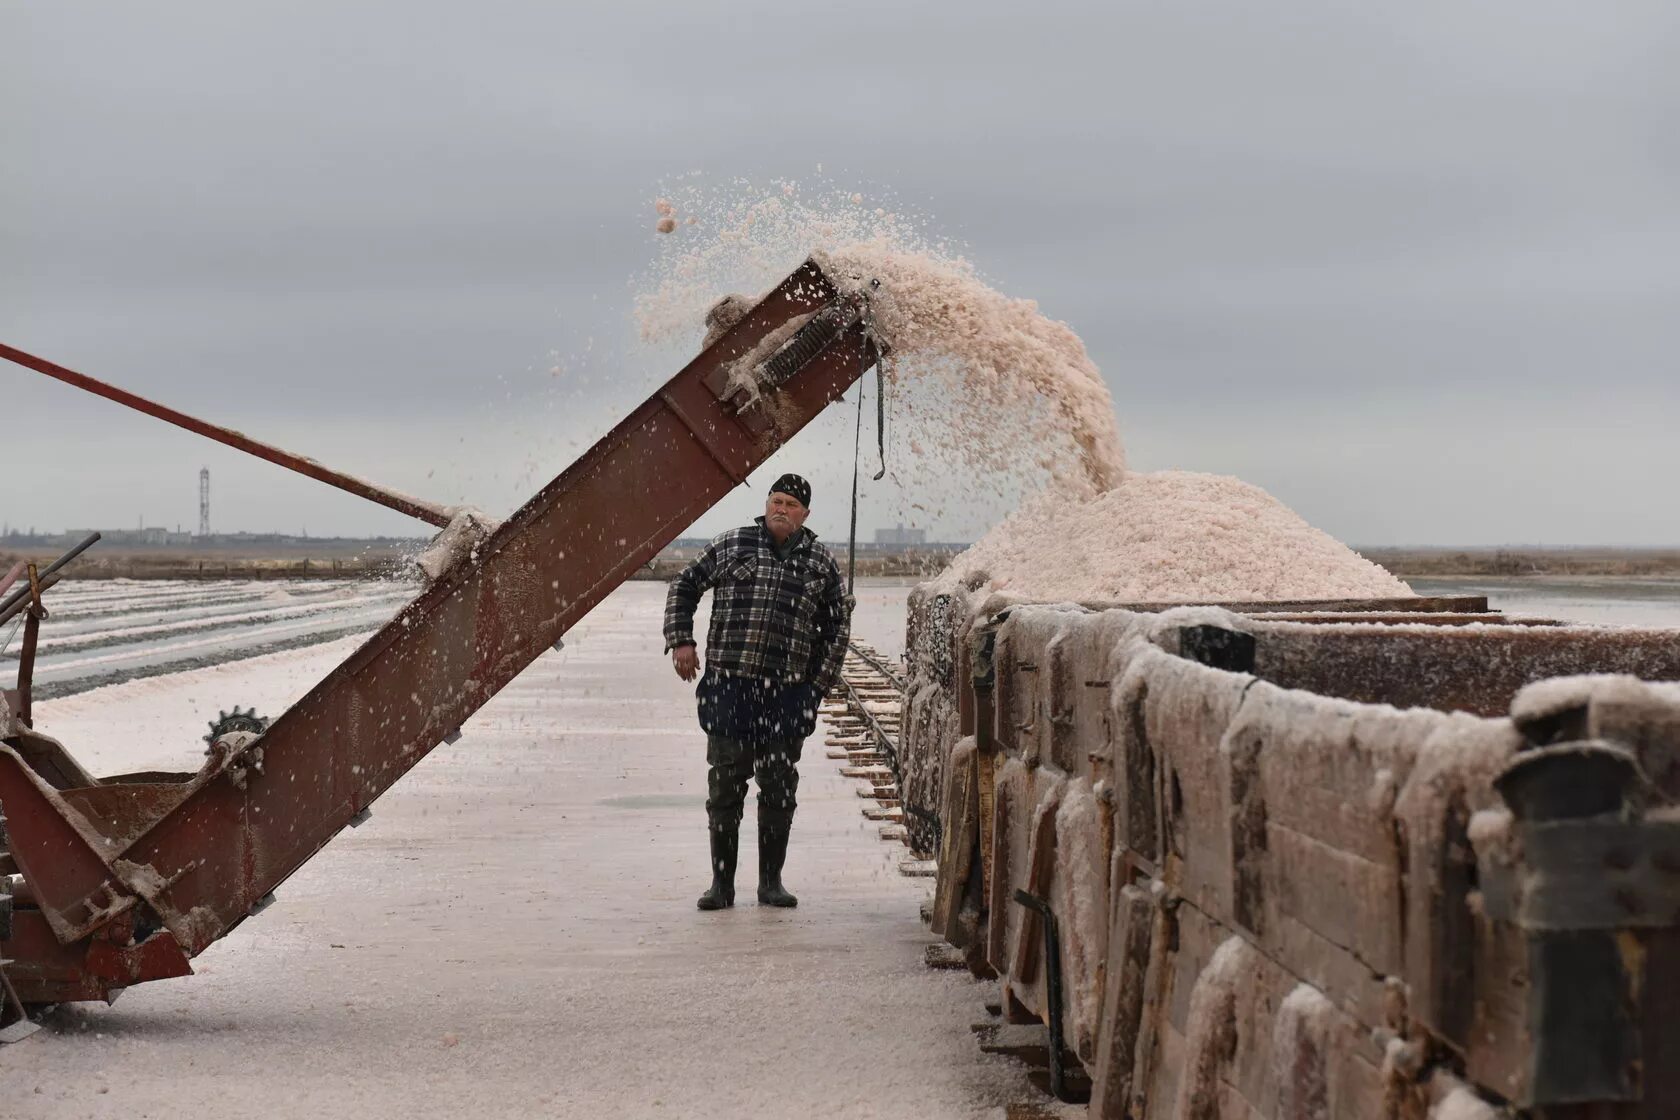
[(783, 515)]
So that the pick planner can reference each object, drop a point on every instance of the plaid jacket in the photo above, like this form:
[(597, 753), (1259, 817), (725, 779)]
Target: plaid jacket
[(783, 620)]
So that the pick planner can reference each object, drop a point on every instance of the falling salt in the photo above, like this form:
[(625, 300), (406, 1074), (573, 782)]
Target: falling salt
[(993, 390), (987, 390), (1014, 382)]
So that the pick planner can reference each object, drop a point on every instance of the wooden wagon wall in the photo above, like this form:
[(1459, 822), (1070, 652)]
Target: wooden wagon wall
[(1268, 899)]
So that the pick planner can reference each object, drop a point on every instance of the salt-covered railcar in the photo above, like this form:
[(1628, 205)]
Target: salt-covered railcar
[(1397, 859)]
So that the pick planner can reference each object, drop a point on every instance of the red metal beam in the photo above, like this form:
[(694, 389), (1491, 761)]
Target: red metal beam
[(11, 577), (250, 820), (391, 499)]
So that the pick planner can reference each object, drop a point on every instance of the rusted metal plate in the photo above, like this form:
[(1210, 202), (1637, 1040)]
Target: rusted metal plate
[(120, 811), (156, 957), (48, 758), (43, 970), (61, 856)]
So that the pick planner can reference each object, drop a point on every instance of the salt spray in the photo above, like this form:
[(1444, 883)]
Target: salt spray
[(988, 389), (980, 381)]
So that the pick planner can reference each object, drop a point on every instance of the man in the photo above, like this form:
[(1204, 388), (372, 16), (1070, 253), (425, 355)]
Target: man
[(780, 620)]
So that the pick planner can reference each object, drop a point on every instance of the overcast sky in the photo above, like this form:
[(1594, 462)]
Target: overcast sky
[(1413, 268)]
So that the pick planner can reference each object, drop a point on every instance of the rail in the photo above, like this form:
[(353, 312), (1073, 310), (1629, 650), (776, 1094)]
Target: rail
[(870, 658), (868, 738)]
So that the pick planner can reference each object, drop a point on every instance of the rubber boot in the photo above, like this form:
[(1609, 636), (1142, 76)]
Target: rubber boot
[(772, 853), (726, 843)]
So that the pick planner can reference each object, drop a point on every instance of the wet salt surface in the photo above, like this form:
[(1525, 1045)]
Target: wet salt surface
[(514, 933), (878, 617), (101, 632), (1597, 600)]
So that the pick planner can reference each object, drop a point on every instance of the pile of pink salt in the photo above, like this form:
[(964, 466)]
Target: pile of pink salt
[(1167, 536)]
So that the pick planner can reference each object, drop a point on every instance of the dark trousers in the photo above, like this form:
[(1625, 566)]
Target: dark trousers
[(773, 763)]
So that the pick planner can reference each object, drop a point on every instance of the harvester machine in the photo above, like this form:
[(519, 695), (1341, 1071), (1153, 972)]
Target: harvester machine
[(125, 879)]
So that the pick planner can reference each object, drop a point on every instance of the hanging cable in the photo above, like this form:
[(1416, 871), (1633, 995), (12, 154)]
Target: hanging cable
[(857, 454), (881, 417)]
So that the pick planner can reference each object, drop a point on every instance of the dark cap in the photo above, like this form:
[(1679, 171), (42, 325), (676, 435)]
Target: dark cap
[(794, 487)]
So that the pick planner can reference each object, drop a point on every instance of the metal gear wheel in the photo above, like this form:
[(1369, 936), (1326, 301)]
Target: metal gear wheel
[(236, 720)]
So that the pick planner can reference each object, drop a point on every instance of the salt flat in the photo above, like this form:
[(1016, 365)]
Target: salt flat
[(514, 934), (102, 632)]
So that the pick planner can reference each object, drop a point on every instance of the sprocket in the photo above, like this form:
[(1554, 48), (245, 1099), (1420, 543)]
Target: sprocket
[(236, 720)]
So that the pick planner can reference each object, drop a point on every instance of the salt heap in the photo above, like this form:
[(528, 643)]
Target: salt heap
[(1167, 536)]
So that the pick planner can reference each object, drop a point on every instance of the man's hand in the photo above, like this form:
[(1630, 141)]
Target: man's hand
[(685, 660)]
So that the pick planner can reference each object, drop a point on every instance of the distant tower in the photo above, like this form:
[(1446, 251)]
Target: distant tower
[(204, 502)]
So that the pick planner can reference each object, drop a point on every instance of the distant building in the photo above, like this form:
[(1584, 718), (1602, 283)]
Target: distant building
[(900, 536), (152, 537)]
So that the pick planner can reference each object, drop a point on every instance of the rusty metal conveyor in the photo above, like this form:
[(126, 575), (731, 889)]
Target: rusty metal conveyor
[(126, 879)]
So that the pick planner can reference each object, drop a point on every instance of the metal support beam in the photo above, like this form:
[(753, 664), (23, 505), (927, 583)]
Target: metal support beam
[(391, 499), (11, 604)]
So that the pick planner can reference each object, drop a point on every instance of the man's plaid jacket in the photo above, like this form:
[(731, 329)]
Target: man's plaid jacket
[(785, 620)]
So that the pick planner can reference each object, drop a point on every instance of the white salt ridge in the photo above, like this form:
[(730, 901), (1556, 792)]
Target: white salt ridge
[(1081, 890), (1168, 536), (1305, 1021)]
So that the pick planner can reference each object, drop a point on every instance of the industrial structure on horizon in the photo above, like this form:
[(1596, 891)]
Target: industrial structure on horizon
[(900, 536)]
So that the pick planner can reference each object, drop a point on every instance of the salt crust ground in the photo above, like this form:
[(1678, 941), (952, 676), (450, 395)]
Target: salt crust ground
[(513, 934)]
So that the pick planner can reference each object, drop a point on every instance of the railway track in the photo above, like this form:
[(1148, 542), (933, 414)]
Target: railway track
[(863, 719)]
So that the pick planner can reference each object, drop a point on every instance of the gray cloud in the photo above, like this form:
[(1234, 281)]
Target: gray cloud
[(1411, 269)]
